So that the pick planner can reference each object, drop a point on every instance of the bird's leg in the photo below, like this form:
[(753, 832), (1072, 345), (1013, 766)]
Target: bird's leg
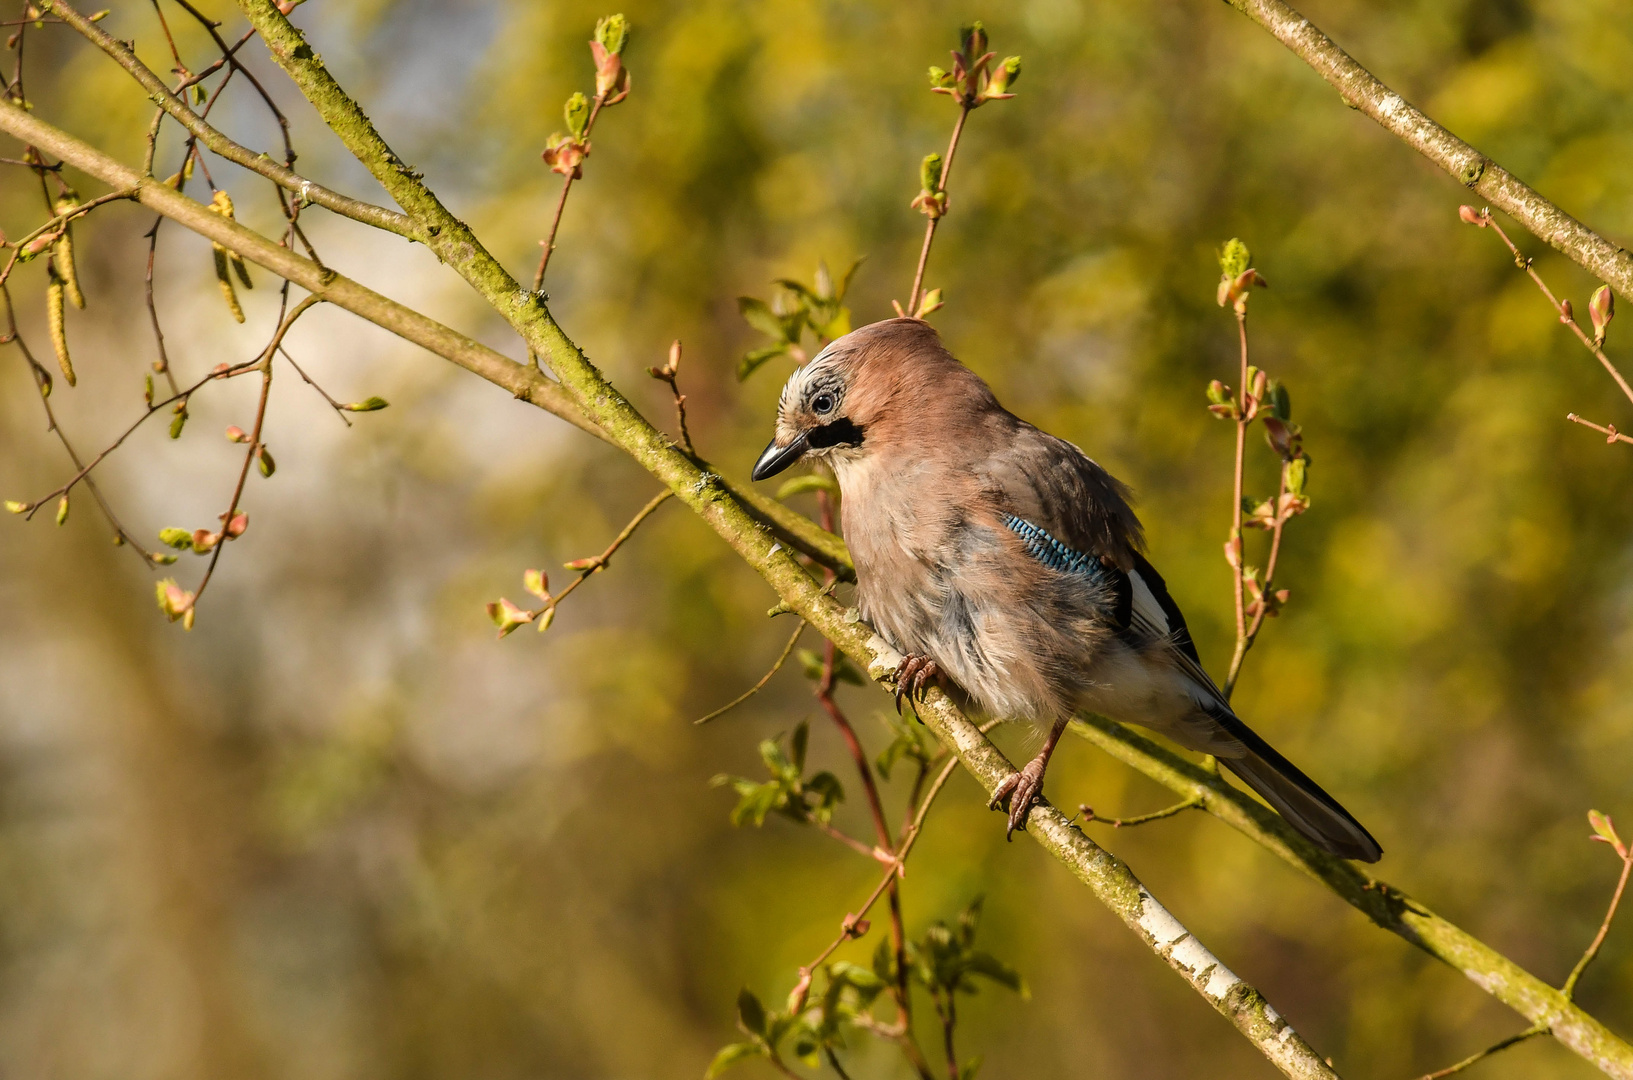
[(912, 675), (1021, 792)]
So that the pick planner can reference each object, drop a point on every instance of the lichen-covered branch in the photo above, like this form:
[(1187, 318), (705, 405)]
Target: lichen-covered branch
[(356, 209), (1364, 91)]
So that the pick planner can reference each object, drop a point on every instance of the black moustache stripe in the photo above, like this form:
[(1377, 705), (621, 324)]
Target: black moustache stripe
[(841, 432)]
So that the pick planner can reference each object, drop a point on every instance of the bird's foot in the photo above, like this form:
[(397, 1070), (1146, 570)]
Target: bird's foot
[(913, 674), (1020, 793)]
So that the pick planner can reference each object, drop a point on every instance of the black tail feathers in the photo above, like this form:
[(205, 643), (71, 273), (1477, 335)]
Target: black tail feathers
[(1298, 798)]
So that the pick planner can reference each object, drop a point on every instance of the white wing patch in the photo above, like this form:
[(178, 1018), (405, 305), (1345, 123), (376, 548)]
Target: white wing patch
[(1151, 622), (1148, 614)]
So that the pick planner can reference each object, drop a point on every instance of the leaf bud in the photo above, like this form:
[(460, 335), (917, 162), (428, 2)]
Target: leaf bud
[(973, 41), (1003, 77), (179, 422), (580, 565), (1567, 314), (236, 524), (15, 507), (237, 434), (174, 537), (1297, 473), (373, 404), (565, 155), (164, 558), (612, 33), (147, 390), (537, 582), (507, 616), (1471, 216), (1602, 308), (62, 510), (1234, 259), (929, 302), (930, 173), (264, 462), (1605, 830), (577, 114), (174, 601), (546, 617), (203, 540), (940, 79)]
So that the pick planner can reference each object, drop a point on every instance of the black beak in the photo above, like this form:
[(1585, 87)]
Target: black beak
[(777, 458)]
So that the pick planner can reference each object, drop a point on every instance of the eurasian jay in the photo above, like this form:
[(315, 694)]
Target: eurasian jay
[(1000, 557)]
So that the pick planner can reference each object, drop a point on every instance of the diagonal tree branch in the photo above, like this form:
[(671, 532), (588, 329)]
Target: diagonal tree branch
[(524, 382), (1362, 90), (356, 209), (602, 408)]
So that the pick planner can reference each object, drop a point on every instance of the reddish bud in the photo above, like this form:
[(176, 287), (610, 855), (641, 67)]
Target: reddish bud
[(537, 582), (797, 996), (236, 525), (237, 434), (1602, 308), (1567, 314), (581, 565), (1472, 216)]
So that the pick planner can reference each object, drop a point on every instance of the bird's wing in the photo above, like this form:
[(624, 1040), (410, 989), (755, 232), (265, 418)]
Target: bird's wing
[(1156, 616)]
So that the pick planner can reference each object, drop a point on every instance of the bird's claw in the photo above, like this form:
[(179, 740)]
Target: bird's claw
[(913, 674), (1018, 794)]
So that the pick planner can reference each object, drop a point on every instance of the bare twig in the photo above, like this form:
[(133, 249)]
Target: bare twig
[(1495, 1048), (1563, 309), (1569, 989), (788, 650), (1117, 823), (1608, 431)]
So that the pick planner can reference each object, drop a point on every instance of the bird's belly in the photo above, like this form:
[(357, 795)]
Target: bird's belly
[(987, 649)]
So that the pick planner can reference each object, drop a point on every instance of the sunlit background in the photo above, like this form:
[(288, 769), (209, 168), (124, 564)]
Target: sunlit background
[(338, 831)]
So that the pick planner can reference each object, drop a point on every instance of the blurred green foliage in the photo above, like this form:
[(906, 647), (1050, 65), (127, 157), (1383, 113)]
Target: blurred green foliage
[(339, 831)]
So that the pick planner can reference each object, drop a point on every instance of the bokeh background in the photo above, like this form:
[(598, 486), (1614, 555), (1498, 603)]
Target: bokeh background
[(338, 831)]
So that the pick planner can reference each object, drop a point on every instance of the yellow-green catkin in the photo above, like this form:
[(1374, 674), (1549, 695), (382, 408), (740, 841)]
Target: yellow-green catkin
[(221, 203), (64, 254), (55, 294)]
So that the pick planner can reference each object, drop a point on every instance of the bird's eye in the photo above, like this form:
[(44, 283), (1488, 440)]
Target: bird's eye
[(822, 404)]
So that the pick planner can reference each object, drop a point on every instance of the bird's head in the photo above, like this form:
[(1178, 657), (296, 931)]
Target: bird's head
[(851, 395)]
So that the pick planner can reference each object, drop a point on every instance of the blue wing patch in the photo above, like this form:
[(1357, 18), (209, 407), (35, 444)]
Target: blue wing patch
[(1056, 555)]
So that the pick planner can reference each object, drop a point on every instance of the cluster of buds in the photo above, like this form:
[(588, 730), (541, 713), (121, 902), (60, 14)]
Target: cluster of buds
[(565, 152), (1257, 599), (263, 456), (221, 203), (203, 541), (1237, 277), (176, 602), (507, 616), (975, 79), (931, 200)]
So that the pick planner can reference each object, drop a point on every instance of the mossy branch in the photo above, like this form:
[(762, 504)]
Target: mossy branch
[(1362, 90)]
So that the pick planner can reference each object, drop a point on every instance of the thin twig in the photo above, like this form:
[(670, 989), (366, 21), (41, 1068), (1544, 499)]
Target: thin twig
[(1117, 823), (265, 364), (1609, 431), (1604, 928), (1565, 314), (339, 409), (588, 567), (1245, 642), (1494, 1048), (964, 108), (549, 242), (782, 659)]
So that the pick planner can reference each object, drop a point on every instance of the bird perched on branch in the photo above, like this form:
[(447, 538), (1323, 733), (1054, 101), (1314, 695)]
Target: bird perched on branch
[(1003, 558)]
